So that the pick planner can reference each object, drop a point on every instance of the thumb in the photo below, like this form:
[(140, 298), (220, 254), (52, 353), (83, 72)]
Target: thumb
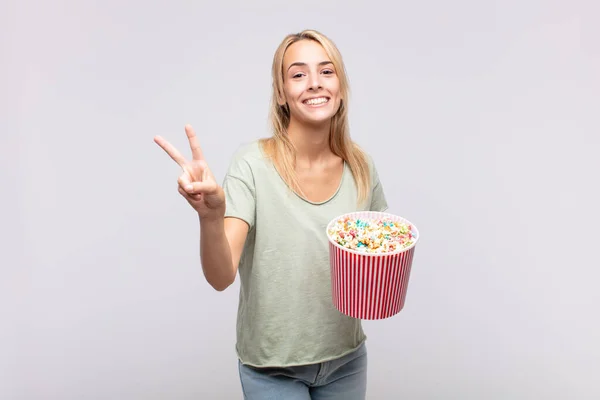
[(204, 187)]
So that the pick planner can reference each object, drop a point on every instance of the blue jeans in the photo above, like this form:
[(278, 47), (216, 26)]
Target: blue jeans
[(343, 378)]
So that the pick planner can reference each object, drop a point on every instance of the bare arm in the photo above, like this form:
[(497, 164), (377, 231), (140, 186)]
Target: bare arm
[(221, 239), (221, 245)]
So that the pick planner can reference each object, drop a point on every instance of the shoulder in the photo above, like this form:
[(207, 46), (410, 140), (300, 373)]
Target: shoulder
[(369, 162), (246, 160), (248, 152)]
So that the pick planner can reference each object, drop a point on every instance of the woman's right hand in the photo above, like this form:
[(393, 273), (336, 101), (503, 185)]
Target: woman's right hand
[(196, 184)]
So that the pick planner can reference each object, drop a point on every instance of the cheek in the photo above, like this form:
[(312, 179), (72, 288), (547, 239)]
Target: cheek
[(291, 92), (334, 84)]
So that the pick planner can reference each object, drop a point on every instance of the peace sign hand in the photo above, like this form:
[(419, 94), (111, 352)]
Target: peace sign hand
[(197, 184)]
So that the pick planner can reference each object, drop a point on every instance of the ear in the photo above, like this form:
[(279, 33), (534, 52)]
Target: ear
[(281, 98)]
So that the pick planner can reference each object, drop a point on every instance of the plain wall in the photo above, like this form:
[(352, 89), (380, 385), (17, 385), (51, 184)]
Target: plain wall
[(482, 118)]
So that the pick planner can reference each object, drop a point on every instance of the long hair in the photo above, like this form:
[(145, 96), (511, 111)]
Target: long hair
[(279, 147)]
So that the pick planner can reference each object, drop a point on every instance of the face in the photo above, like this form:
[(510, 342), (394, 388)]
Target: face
[(310, 83)]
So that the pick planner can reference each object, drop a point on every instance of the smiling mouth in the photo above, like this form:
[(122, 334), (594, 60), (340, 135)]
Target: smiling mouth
[(317, 101)]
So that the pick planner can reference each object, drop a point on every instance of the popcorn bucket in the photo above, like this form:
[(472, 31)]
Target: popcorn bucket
[(370, 285)]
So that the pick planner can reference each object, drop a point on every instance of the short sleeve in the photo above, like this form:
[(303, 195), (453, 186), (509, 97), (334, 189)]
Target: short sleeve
[(240, 193), (378, 200)]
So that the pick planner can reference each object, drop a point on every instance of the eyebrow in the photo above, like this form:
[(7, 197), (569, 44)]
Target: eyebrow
[(303, 64)]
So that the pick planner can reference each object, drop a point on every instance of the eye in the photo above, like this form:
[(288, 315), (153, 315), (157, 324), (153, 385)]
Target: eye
[(297, 75), (328, 72)]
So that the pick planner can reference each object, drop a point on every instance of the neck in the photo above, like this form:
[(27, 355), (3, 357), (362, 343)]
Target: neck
[(311, 142)]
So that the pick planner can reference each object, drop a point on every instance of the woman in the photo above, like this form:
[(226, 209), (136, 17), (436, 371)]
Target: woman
[(268, 221)]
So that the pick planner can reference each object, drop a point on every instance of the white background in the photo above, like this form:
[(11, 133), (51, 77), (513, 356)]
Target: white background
[(482, 117)]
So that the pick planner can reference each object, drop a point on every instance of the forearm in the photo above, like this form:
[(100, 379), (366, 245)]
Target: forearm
[(215, 254)]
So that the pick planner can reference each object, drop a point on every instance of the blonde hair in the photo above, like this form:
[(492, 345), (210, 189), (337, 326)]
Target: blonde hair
[(279, 147)]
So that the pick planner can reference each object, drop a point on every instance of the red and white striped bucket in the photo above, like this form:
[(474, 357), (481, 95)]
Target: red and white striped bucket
[(370, 285)]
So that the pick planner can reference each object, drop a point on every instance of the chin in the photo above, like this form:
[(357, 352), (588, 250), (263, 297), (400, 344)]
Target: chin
[(319, 116), (318, 120)]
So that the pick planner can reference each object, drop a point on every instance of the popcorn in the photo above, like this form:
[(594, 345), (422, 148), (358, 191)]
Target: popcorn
[(371, 235)]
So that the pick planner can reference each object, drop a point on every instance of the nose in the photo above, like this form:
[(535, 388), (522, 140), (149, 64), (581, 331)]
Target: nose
[(315, 82)]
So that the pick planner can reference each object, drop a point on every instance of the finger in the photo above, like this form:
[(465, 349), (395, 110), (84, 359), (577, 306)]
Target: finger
[(194, 143), (205, 171), (170, 150), (199, 172), (187, 177), (184, 180), (189, 174), (189, 197), (200, 187)]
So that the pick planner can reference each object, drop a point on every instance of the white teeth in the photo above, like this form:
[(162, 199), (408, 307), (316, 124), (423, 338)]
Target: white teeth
[(313, 102)]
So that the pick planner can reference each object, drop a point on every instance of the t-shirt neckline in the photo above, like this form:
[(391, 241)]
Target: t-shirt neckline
[(315, 203)]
